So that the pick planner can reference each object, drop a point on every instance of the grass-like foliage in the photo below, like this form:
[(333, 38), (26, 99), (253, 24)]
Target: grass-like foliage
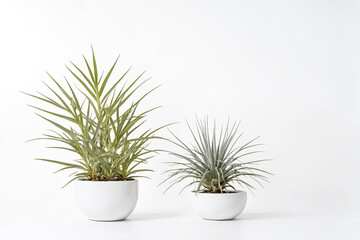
[(214, 161), (99, 121)]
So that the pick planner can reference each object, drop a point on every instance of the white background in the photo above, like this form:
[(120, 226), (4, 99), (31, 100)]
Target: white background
[(289, 70)]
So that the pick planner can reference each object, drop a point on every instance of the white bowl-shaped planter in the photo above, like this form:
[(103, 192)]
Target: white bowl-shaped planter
[(106, 200), (219, 206)]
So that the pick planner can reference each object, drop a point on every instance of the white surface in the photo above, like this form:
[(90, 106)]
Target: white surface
[(106, 201), (219, 206), (179, 226), (288, 69)]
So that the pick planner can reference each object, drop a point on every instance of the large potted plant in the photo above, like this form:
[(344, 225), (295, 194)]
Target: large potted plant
[(100, 122), (214, 163)]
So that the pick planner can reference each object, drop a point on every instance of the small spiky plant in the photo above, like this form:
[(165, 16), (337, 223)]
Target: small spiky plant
[(98, 122), (213, 162)]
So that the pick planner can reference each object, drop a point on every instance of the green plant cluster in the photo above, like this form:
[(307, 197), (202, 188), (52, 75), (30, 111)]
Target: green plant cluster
[(99, 123), (213, 161), (99, 120)]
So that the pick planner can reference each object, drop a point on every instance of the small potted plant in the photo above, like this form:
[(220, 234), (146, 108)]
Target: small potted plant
[(101, 124), (214, 163)]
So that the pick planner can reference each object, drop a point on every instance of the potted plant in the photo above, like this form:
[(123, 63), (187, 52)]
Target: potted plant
[(214, 163), (100, 123)]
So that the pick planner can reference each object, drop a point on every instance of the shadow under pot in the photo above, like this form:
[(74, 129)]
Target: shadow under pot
[(219, 206), (106, 200)]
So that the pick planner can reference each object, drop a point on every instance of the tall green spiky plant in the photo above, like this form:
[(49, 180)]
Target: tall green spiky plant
[(99, 123), (213, 161)]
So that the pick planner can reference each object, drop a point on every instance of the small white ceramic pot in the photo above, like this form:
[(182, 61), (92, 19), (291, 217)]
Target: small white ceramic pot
[(219, 206), (106, 200)]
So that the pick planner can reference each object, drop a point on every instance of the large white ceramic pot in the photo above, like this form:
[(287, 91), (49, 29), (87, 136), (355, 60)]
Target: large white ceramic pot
[(106, 200), (219, 206)]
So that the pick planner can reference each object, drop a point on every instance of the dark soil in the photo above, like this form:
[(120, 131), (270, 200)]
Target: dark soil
[(105, 179), (207, 191)]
